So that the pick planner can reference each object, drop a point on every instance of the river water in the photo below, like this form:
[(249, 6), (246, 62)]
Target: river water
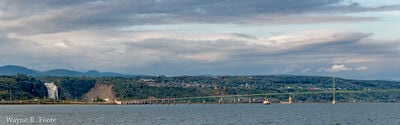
[(210, 114)]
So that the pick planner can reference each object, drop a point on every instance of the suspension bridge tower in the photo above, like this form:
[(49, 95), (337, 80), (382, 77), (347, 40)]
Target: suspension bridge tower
[(333, 91)]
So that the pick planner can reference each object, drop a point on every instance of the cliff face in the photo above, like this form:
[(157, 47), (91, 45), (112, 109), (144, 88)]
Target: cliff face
[(101, 91)]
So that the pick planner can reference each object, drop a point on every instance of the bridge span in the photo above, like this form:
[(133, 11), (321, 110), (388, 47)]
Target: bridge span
[(256, 98)]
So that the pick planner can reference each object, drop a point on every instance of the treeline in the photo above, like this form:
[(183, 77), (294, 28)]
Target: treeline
[(23, 87), (140, 90)]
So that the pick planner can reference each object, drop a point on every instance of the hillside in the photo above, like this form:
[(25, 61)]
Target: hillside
[(14, 70), (144, 87)]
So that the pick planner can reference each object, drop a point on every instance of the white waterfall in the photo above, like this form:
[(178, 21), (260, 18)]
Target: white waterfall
[(52, 90)]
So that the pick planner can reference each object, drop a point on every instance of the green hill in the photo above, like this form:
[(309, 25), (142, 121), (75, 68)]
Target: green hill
[(142, 87)]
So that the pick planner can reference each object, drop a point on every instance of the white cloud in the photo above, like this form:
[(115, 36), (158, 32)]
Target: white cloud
[(354, 60), (61, 44), (338, 68), (206, 56), (362, 68)]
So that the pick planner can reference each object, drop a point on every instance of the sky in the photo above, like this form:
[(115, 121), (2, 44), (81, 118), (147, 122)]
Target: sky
[(345, 38)]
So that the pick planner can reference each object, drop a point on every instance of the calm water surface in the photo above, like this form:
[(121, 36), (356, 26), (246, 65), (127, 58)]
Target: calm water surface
[(243, 114)]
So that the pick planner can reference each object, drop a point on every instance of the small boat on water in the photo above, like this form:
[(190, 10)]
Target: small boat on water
[(266, 102)]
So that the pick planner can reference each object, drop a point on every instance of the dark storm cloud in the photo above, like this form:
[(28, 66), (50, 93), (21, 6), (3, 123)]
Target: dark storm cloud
[(333, 44), (56, 16), (353, 44), (239, 57)]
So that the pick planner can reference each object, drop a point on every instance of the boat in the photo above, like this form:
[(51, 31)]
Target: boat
[(266, 102)]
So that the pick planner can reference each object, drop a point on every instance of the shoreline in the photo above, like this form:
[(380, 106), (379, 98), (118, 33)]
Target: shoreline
[(55, 103), (193, 103)]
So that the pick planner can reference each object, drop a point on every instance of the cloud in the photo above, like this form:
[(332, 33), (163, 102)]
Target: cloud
[(49, 16), (87, 35), (160, 52), (354, 60), (362, 68), (341, 68), (338, 68), (301, 19)]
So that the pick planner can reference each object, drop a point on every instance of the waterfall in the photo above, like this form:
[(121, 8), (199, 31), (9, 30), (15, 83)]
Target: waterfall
[(52, 90)]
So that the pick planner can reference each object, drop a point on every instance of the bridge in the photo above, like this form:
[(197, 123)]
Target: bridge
[(330, 96)]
